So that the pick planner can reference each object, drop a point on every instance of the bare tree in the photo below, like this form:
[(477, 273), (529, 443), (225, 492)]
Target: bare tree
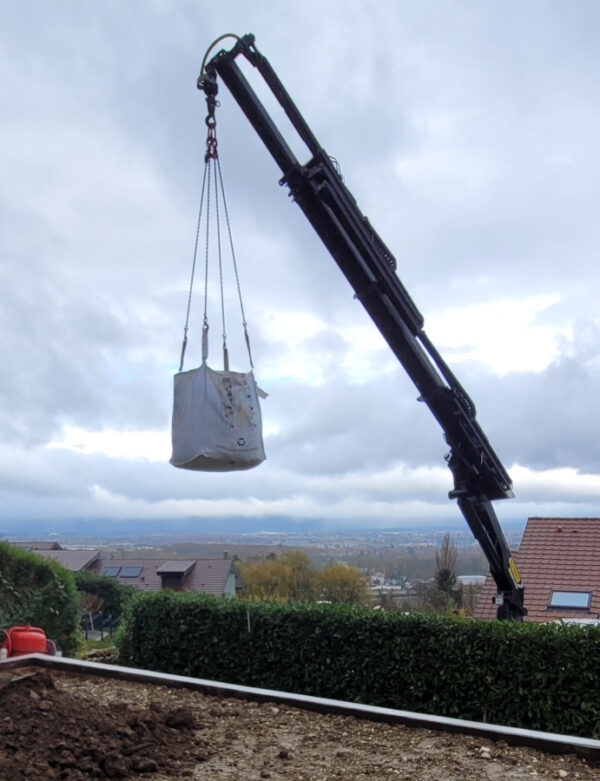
[(445, 570), (90, 604)]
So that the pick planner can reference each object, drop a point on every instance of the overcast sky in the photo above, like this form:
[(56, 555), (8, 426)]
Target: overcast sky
[(469, 135)]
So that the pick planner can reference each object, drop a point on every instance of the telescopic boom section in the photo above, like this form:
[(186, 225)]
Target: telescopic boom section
[(369, 267)]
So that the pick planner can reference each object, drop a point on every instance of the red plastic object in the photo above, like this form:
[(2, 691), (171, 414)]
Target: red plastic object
[(25, 640)]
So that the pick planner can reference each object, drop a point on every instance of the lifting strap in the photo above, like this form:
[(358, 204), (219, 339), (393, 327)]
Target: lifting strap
[(213, 178)]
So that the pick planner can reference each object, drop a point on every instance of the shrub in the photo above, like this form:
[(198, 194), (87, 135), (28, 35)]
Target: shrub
[(39, 592), (526, 675)]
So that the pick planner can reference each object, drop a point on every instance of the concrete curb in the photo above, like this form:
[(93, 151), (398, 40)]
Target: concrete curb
[(544, 741)]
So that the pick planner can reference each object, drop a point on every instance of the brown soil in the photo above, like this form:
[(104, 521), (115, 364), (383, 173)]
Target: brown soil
[(71, 727)]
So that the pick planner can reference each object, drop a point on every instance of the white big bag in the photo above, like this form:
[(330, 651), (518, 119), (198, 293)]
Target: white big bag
[(217, 424)]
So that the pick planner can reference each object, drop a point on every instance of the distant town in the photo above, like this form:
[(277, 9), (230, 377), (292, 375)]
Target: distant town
[(327, 540), (391, 558)]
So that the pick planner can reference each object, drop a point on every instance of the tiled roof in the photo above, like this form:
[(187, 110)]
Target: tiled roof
[(36, 546), (208, 576), (556, 554), (73, 560)]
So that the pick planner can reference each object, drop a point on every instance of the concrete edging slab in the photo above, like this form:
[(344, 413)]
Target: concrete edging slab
[(544, 741)]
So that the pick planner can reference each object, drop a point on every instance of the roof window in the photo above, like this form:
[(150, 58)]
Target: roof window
[(110, 571), (131, 571), (578, 600)]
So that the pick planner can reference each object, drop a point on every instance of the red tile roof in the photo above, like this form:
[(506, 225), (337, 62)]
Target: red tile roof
[(556, 554)]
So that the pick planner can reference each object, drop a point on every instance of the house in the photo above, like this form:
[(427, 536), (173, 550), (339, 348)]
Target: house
[(33, 545), (73, 560), (559, 562), (209, 576)]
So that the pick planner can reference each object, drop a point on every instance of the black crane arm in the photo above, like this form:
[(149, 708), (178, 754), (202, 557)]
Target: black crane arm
[(369, 267)]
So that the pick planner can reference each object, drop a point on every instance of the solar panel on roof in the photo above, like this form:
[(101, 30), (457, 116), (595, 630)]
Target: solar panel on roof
[(131, 571)]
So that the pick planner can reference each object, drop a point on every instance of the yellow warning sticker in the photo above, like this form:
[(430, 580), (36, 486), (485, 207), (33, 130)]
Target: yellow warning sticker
[(513, 571)]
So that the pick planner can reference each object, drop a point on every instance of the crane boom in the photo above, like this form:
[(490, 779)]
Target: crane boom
[(369, 266)]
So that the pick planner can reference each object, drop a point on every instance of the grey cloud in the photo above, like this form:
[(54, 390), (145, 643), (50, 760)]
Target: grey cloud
[(543, 420), (340, 428), (468, 135)]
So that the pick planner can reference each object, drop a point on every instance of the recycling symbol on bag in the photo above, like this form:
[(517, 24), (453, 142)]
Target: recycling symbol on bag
[(241, 441)]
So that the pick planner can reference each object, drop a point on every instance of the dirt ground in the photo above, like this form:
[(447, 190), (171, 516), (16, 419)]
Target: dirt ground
[(57, 725)]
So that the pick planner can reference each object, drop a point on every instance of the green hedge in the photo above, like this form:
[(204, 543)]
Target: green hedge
[(39, 592), (526, 675)]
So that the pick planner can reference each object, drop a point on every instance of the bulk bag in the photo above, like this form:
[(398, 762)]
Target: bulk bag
[(217, 425)]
